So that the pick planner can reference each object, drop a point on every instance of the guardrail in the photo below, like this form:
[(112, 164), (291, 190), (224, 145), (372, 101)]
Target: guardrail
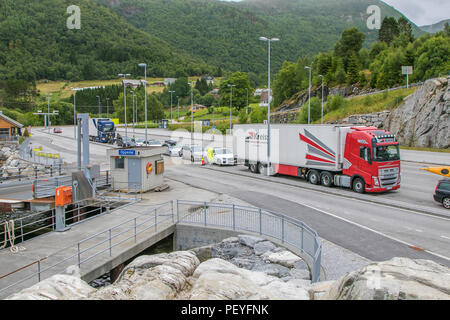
[(39, 157), (256, 220), (230, 216)]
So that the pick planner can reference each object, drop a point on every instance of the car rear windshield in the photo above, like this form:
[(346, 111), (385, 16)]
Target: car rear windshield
[(444, 186)]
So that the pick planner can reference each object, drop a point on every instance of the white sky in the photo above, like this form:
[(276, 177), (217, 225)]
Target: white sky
[(422, 12)]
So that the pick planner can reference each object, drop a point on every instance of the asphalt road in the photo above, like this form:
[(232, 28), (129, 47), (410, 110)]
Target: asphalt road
[(374, 231)]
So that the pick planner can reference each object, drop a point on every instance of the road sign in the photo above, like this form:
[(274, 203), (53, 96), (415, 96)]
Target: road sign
[(127, 152), (407, 70)]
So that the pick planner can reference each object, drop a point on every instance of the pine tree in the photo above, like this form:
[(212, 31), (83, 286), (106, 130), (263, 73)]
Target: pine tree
[(353, 69), (389, 29)]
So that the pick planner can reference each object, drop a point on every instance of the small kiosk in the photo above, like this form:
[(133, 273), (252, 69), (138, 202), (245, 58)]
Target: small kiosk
[(139, 169)]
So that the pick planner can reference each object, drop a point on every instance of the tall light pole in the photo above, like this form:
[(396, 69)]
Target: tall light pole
[(99, 106), (178, 99), (268, 106), (107, 107), (124, 75), (134, 128), (192, 112), (246, 111), (171, 94), (231, 100), (74, 112), (309, 95), (321, 114), (47, 117), (145, 94)]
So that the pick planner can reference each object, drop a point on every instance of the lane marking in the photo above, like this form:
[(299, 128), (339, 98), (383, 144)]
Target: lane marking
[(332, 194), (377, 232), (418, 230), (445, 237)]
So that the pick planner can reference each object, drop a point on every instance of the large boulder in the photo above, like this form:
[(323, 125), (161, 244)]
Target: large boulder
[(217, 279), (423, 119), (396, 279)]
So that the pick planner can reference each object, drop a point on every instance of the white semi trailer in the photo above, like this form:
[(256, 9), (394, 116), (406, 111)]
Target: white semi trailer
[(361, 158)]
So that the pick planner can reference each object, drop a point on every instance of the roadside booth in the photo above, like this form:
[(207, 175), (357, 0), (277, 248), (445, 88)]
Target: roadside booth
[(138, 169)]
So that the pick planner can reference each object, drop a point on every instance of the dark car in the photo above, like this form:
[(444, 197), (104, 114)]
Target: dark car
[(442, 193)]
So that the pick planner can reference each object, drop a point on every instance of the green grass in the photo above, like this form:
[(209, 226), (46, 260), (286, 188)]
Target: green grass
[(367, 104)]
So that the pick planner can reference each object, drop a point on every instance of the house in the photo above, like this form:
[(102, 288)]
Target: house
[(197, 107), (9, 128), (258, 92), (158, 84), (215, 93), (169, 81), (264, 100), (133, 83)]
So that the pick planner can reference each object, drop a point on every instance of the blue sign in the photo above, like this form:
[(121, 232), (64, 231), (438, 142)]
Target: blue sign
[(127, 152)]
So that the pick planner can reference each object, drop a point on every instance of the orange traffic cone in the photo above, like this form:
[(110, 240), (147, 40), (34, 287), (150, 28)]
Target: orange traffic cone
[(203, 161)]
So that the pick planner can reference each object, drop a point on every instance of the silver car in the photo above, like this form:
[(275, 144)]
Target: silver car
[(193, 153), (173, 151)]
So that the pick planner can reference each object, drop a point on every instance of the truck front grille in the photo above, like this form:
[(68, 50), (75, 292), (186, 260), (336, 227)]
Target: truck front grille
[(388, 177)]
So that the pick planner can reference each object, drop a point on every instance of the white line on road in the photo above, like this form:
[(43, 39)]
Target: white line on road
[(445, 237), (375, 231)]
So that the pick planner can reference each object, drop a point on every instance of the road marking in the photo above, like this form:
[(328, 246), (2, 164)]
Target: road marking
[(332, 194), (377, 232), (418, 230), (445, 237)]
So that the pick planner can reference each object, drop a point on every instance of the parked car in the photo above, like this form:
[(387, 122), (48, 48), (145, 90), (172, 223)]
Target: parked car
[(193, 153), (57, 130), (126, 142), (173, 151), (442, 193), (223, 156)]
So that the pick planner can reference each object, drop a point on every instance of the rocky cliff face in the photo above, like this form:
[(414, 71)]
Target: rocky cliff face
[(248, 267), (423, 119)]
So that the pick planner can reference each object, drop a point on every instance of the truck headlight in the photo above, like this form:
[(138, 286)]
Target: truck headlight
[(375, 181)]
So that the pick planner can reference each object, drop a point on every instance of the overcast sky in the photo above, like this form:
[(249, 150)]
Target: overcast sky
[(422, 12)]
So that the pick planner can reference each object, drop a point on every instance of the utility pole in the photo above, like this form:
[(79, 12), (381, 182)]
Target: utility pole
[(74, 112), (145, 94), (231, 101), (246, 111), (192, 113), (309, 95), (171, 93), (178, 99), (268, 107), (107, 107), (124, 75), (99, 107), (321, 115)]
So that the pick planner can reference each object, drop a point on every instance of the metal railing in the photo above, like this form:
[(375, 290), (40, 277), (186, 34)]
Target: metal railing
[(28, 154), (121, 236), (256, 220)]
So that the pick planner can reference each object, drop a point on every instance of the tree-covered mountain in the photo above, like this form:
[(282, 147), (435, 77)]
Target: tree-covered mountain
[(35, 43), (436, 27), (227, 34)]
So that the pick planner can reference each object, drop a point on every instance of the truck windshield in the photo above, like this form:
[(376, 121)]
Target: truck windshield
[(107, 128), (386, 153)]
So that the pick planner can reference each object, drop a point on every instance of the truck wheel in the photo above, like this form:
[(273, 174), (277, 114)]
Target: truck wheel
[(446, 203), (358, 185), (327, 179), (314, 177), (253, 168), (262, 169)]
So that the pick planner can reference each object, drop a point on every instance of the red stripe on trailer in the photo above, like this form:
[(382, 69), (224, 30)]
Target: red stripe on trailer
[(315, 145), (287, 170), (310, 157)]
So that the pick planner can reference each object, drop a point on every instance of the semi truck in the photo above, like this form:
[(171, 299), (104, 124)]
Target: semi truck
[(102, 130), (365, 159)]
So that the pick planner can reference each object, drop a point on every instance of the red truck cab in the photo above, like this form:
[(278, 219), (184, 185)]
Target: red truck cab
[(372, 158)]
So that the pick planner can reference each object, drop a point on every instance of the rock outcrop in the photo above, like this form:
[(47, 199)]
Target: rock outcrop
[(423, 119), (214, 273), (396, 279)]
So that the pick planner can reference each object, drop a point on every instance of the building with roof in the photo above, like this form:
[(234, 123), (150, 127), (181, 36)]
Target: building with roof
[(9, 128)]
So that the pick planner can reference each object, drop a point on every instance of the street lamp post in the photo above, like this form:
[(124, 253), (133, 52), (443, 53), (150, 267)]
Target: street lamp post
[(107, 107), (321, 114), (231, 100), (268, 106), (309, 95), (124, 75), (145, 94), (74, 113), (178, 99), (171, 94), (192, 113), (99, 106), (47, 117), (246, 111)]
